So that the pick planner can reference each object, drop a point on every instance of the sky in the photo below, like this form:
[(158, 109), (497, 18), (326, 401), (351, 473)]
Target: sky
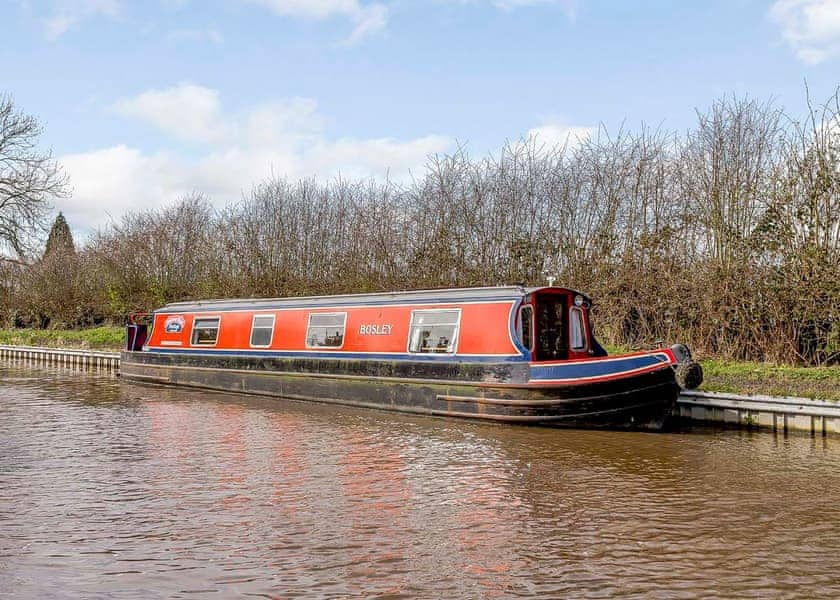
[(143, 102)]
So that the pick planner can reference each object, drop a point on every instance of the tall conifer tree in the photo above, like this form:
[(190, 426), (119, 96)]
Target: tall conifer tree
[(60, 241)]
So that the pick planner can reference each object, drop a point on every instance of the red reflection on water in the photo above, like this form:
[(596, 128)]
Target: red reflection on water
[(373, 480), (232, 454), (288, 460), (485, 521)]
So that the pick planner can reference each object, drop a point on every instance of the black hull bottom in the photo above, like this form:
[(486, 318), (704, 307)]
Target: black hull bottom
[(641, 402)]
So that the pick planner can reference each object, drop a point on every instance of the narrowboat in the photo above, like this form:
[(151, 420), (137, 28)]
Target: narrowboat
[(505, 353)]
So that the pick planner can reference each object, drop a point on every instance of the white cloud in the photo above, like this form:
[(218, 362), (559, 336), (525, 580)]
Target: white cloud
[(189, 112), (276, 123), (285, 138), (57, 26), (112, 181), (810, 27), (374, 18), (554, 132), (366, 18), (66, 14)]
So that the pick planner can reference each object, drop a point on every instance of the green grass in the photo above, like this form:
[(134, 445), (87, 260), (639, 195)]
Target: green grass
[(764, 378), (97, 338), (774, 380)]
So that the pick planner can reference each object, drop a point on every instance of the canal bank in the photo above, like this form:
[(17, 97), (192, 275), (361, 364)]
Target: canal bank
[(817, 417)]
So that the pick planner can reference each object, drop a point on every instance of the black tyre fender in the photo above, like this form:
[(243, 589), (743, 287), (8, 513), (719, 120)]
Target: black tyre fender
[(689, 374)]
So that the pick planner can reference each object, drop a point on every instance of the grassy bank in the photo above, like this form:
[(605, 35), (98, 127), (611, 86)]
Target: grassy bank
[(97, 338), (720, 376), (764, 378), (774, 380)]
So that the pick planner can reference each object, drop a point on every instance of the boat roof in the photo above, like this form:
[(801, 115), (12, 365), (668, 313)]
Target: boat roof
[(438, 296)]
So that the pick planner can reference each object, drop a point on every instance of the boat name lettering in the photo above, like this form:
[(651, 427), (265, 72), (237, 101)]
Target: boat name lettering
[(372, 329)]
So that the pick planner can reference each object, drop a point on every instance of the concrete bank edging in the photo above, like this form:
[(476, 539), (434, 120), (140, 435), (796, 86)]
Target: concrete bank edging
[(781, 413), (75, 359)]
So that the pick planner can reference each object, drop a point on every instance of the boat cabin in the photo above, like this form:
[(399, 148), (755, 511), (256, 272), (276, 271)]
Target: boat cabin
[(485, 324)]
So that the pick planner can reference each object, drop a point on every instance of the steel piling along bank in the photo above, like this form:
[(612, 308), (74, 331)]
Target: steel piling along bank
[(818, 417), (82, 360)]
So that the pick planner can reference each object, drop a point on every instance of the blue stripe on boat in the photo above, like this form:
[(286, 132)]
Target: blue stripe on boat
[(599, 368), (459, 358)]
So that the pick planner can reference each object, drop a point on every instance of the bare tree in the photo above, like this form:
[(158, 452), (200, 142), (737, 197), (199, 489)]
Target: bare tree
[(29, 179), (726, 170)]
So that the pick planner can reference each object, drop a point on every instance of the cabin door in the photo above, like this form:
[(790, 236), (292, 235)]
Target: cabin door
[(552, 327)]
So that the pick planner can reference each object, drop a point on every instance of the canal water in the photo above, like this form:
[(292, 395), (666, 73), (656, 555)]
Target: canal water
[(116, 490)]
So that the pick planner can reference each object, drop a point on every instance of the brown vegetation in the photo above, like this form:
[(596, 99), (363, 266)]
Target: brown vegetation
[(726, 238)]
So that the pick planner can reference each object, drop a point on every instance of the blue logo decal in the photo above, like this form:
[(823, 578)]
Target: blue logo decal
[(174, 325)]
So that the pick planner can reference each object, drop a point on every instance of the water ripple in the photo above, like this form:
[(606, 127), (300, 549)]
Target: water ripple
[(112, 490)]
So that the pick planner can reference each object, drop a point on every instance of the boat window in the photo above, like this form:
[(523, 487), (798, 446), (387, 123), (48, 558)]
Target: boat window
[(326, 330), (578, 337), (526, 320), (205, 331), (434, 331), (262, 330)]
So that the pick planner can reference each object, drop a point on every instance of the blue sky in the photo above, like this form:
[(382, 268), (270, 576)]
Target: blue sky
[(145, 101)]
